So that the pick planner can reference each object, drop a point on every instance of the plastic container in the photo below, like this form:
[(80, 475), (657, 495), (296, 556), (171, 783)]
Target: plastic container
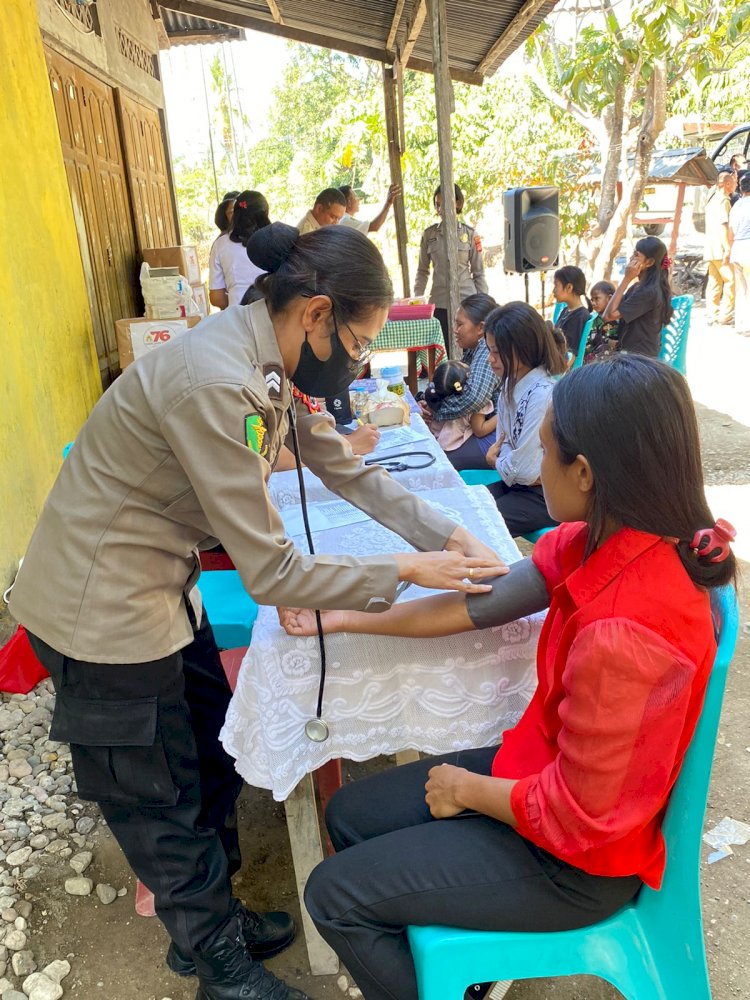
[(394, 379), (358, 400)]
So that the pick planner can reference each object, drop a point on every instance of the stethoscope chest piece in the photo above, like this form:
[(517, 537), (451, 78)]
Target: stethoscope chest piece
[(317, 730)]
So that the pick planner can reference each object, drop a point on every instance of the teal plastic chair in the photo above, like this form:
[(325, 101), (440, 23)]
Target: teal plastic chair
[(479, 477), (559, 306), (674, 336), (653, 948), (582, 345), (230, 609)]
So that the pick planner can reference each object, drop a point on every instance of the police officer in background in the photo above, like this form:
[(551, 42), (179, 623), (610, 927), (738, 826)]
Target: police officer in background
[(175, 455), (471, 277)]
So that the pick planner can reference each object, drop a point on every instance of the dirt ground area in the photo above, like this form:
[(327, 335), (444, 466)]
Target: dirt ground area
[(117, 955)]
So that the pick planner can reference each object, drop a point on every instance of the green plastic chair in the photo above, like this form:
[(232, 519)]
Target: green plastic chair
[(674, 336), (653, 948)]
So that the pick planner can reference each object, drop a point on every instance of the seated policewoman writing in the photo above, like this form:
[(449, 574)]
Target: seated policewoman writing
[(559, 826)]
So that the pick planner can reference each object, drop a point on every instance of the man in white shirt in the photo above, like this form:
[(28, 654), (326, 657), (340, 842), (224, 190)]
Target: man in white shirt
[(329, 209), (353, 204), (720, 287)]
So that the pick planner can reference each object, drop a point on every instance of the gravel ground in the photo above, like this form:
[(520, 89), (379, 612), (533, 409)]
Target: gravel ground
[(67, 920)]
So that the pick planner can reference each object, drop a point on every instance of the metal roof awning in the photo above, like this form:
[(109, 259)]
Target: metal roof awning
[(184, 29), (481, 33), (673, 166)]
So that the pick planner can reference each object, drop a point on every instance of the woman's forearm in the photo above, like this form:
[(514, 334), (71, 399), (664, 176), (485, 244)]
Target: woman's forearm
[(487, 795), (427, 618), (612, 310)]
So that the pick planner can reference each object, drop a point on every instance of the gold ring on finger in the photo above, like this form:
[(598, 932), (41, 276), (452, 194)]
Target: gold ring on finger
[(471, 573)]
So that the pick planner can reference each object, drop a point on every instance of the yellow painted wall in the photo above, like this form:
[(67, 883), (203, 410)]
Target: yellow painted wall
[(49, 377)]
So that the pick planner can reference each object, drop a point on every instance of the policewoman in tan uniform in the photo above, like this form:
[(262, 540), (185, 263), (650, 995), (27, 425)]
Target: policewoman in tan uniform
[(176, 454), (471, 277)]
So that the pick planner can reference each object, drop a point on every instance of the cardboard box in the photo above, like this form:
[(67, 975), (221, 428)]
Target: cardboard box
[(183, 258), (138, 336), (201, 299)]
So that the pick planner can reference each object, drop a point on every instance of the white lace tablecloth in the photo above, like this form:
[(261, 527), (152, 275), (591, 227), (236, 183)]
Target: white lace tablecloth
[(284, 486), (382, 694)]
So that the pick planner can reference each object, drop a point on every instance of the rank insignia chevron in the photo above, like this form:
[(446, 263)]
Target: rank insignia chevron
[(274, 376)]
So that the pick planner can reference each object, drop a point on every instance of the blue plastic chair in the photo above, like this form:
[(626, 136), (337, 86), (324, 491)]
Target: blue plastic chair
[(230, 609), (653, 948), (534, 536), (559, 306), (674, 336)]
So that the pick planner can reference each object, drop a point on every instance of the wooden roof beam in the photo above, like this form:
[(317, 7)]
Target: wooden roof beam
[(509, 38), (395, 23), (413, 29), (275, 12)]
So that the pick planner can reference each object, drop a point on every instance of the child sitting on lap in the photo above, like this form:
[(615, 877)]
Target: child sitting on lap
[(559, 826), (602, 339), (450, 381)]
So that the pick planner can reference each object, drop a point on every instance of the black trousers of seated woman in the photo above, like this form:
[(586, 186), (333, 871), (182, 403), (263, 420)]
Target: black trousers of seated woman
[(395, 865)]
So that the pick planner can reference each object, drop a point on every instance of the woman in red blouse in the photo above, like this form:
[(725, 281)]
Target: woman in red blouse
[(560, 825)]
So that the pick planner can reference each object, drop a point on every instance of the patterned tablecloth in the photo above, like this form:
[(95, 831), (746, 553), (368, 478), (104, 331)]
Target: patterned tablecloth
[(383, 695), (412, 335)]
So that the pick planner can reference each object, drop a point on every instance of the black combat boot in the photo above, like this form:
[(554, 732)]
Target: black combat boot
[(226, 971), (265, 935)]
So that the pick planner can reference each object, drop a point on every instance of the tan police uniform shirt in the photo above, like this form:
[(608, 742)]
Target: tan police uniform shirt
[(176, 453), (471, 277)]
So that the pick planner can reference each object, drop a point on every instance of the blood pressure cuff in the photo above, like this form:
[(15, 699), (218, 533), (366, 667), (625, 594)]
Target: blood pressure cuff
[(519, 593)]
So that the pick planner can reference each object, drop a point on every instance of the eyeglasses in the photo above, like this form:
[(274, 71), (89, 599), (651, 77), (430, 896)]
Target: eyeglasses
[(364, 351)]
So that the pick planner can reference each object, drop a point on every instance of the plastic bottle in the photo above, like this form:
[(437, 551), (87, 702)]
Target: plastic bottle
[(358, 399), (394, 379)]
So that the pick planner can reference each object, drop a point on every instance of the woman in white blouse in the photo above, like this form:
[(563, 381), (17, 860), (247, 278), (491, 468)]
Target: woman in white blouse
[(231, 272), (525, 353)]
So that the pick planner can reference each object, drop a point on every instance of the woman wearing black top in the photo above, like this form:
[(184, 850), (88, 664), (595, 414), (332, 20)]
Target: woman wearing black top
[(646, 308), (570, 288)]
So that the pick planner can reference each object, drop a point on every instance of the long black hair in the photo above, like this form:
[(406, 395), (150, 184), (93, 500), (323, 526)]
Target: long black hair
[(336, 261), (478, 307), (521, 336), (633, 419), (220, 215), (652, 248), (250, 214), (572, 275)]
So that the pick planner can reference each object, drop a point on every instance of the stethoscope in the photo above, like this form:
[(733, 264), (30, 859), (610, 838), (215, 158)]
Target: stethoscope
[(389, 463), (317, 729)]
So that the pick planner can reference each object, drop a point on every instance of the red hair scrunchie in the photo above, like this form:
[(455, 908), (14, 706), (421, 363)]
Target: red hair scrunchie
[(713, 543)]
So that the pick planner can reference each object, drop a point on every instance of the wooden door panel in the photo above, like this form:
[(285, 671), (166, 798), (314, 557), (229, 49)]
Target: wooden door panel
[(146, 163), (87, 119)]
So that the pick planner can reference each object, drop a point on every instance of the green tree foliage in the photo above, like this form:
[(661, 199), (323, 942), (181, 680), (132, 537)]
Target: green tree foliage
[(615, 74)]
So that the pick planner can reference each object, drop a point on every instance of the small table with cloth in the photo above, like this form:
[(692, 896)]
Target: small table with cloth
[(382, 695), (422, 338)]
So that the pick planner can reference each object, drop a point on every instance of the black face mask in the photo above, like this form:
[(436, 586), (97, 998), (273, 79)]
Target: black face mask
[(325, 378)]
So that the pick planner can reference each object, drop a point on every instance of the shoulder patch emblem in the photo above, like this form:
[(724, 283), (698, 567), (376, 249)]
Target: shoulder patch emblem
[(256, 434), (478, 242), (274, 376)]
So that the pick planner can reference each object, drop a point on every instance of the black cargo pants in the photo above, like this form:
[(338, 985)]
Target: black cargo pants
[(145, 745)]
